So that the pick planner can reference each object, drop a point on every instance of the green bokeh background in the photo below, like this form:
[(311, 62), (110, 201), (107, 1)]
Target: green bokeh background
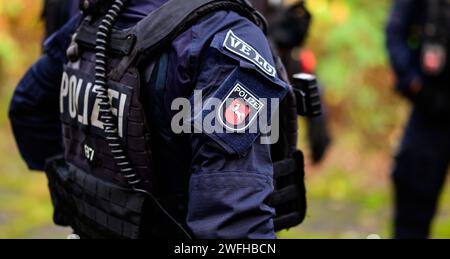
[(349, 193)]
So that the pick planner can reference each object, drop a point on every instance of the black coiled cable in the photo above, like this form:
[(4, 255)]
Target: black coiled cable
[(106, 116)]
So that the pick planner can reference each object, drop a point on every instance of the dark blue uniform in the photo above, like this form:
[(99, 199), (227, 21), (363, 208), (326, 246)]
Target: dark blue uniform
[(227, 177), (424, 154)]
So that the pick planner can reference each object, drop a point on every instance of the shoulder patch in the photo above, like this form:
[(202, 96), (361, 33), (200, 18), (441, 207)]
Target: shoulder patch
[(239, 47), (239, 109)]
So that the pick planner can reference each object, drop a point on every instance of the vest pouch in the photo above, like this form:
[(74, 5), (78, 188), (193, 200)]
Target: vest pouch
[(289, 197), (98, 209), (63, 205)]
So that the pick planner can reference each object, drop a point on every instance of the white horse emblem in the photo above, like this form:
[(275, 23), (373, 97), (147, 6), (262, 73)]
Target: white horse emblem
[(237, 111)]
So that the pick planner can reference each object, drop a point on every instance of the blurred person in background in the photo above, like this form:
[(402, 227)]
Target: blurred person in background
[(418, 38), (288, 30)]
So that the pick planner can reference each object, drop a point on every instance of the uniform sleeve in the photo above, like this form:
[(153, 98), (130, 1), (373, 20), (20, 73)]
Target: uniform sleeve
[(34, 108), (232, 172), (398, 32)]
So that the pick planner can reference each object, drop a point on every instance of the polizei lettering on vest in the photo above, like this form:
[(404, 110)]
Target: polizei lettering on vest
[(78, 102), (239, 47)]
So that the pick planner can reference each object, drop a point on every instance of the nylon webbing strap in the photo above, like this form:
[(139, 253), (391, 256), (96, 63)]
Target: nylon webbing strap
[(289, 197), (165, 23), (284, 167), (287, 221), (121, 42)]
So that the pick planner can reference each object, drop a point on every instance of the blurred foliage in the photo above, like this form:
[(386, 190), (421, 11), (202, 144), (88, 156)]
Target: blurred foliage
[(348, 37), (20, 30), (349, 193), (25, 207)]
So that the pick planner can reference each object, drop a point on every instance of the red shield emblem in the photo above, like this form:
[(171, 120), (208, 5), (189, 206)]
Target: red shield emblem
[(236, 112), (239, 109)]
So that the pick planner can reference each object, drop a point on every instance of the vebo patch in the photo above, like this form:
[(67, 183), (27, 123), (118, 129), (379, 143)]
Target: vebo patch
[(239, 109), (239, 47)]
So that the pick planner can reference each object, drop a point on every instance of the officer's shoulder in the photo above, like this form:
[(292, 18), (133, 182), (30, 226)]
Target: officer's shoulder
[(221, 22)]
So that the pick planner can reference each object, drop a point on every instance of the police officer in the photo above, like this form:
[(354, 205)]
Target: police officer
[(418, 44), (104, 95)]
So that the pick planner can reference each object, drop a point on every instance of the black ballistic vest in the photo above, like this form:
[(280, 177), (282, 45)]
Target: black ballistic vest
[(87, 191)]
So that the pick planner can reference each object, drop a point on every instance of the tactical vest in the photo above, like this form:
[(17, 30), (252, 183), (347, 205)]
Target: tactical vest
[(104, 186)]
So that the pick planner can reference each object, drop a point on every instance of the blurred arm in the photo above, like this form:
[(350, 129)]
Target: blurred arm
[(404, 59), (34, 108), (34, 113)]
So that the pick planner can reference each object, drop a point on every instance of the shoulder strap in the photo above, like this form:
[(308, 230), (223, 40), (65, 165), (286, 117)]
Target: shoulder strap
[(166, 23)]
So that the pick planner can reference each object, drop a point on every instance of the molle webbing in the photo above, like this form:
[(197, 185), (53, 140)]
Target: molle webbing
[(289, 197), (136, 135), (121, 42), (90, 202)]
